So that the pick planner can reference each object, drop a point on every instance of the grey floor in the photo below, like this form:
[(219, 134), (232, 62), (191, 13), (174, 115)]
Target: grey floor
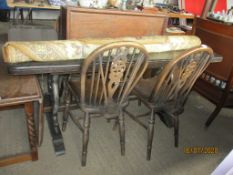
[(104, 150)]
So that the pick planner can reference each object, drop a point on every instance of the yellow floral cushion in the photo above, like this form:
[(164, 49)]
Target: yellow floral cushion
[(14, 52)]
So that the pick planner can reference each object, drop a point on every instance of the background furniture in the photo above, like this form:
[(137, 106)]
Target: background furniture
[(76, 23), (216, 82), (165, 94), (23, 90), (21, 6), (4, 11)]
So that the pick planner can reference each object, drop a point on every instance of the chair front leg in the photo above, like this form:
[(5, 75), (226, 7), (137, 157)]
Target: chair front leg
[(213, 115), (122, 132), (176, 130), (150, 132), (86, 126)]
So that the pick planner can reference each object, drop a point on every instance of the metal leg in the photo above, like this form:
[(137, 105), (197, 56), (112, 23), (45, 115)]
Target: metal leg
[(30, 15), (14, 15), (150, 130), (86, 126), (52, 116), (21, 15), (122, 132)]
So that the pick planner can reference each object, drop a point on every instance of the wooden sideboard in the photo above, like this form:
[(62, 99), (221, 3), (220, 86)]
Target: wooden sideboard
[(216, 83), (219, 37), (76, 23)]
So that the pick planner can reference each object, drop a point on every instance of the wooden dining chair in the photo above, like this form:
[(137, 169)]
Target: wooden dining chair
[(108, 76), (166, 94)]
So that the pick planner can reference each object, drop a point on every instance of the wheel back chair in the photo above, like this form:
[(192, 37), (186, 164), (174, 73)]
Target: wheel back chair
[(166, 94), (108, 76)]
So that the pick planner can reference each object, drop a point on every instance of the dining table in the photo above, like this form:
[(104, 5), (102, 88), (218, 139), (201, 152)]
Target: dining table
[(58, 70)]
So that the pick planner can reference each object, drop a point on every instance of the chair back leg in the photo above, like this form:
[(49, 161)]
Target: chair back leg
[(122, 132), (150, 130), (86, 126)]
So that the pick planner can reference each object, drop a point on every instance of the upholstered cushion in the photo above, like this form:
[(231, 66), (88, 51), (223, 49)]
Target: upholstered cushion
[(14, 52)]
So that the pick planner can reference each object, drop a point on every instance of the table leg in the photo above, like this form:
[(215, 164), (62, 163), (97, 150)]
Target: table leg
[(52, 117), (39, 121), (32, 136)]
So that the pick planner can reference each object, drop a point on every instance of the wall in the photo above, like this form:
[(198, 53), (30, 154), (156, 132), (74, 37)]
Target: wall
[(196, 6)]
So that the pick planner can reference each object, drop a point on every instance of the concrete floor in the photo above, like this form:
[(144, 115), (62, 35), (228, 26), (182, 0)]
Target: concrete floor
[(104, 150)]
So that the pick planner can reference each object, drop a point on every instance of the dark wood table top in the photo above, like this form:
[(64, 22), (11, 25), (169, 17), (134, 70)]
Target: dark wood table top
[(73, 66), (17, 89)]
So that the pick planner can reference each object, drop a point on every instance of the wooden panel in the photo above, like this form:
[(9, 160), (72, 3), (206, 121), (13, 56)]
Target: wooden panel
[(92, 23)]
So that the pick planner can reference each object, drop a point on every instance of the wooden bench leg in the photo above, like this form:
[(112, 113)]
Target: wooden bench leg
[(39, 121), (32, 136)]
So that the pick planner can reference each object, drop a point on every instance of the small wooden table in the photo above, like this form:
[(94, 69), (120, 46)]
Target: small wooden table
[(19, 6), (56, 68), (36, 4), (23, 90)]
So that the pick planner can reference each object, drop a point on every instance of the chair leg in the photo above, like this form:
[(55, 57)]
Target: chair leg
[(213, 116), (176, 130), (86, 126), (66, 111), (122, 132), (150, 131)]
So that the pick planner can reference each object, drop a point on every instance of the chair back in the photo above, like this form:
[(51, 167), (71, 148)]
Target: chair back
[(111, 72), (178, 77)]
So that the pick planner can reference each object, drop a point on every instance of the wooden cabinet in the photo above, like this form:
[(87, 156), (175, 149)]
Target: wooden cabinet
[(219, 37), (79, 23), (216, 83)]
